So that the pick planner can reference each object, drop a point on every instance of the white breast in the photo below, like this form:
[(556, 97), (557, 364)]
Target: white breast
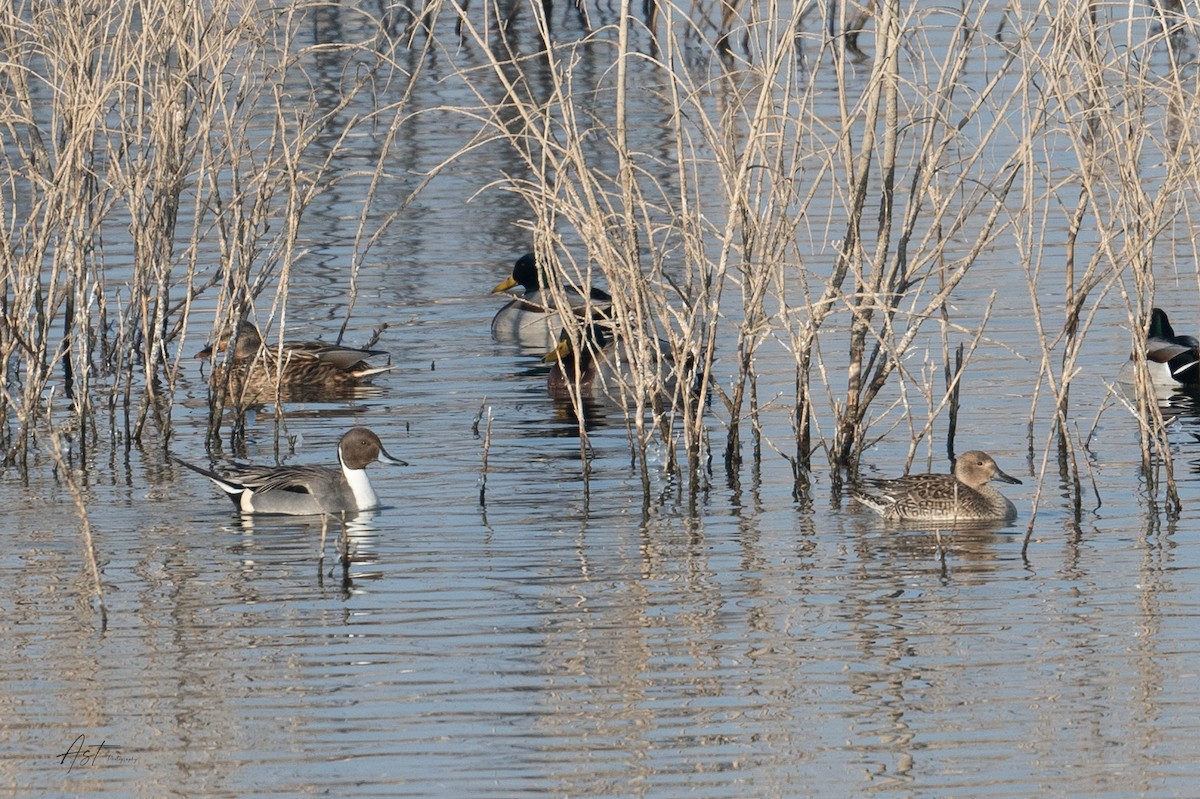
[(364, 495)]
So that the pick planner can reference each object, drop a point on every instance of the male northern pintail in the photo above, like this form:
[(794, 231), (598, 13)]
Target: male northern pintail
[(532, 320), (1172, 360), (964, 496), (256, 369), (307, 490)]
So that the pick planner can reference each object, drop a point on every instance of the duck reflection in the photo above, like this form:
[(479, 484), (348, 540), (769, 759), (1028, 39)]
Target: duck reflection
[(592, 413), (967, 549), (270, 537)]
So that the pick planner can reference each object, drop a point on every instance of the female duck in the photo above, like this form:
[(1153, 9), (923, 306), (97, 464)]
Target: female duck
[(592, 368), (964, 496), (598, 367), (255, 370), (532, 320)]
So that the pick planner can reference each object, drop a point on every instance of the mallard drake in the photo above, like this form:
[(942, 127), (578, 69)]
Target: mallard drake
[(255, 370), (1172, 361), (598, 366), (591, 369), (964, 496), (307, 490), (532, 319)]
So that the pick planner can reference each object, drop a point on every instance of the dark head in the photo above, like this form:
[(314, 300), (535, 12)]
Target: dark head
[(596, 336), (1160, 326), (360, 447), (525, 274)]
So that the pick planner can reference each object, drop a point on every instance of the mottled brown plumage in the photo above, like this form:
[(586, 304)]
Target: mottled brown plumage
[(255, 370), (964, 496)]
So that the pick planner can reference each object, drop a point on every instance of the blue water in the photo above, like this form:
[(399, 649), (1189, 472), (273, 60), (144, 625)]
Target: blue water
[(520, 630)]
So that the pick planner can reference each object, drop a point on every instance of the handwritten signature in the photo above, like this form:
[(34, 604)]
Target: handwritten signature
[(79, 753)]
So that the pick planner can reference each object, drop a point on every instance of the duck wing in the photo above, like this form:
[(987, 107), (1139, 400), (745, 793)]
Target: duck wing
[(916, 488), (1182, 360), (296, 479), (597, 301), (344, 358)]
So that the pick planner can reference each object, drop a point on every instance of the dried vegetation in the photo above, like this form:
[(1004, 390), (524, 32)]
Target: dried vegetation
[(742, 225)]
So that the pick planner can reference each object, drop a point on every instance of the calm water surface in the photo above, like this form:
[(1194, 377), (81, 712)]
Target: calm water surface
[(566, 638)]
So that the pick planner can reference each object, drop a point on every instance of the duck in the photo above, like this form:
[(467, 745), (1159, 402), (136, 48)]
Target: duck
[(532, 319), (255, 370), (1172, 361), (307, 490), (593, 368), (964, 496), (599, 367)]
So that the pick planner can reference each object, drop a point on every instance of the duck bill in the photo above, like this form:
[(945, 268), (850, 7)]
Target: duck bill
[(1008, 478), (558, 353), (213, 349), (386, 458), (506, 284)]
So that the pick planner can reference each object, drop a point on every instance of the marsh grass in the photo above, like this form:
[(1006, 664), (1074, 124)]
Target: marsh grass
[(177, 130), (953, 141), (740, 225)]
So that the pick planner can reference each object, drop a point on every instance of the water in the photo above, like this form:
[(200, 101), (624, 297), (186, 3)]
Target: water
[(571, 639)]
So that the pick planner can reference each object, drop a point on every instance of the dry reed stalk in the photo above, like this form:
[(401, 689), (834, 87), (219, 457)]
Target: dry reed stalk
[(882, 92), (165, 126), (484, 409), (765, 200), (884, 288), (946, 399), (1115, 130)]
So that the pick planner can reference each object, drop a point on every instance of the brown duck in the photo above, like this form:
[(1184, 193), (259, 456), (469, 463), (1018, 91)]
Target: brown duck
[(964, 496), (256, 370)]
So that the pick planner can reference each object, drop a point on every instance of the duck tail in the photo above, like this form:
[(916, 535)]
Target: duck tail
[(234, 490), (369, 371), (1185, 367), (881, 503)]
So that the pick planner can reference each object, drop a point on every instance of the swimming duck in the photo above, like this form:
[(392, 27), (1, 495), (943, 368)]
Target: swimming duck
[(307, 490), (532, 320), (255, 371), (1172, 361), (593, 366), (964, 496), (599, 366)]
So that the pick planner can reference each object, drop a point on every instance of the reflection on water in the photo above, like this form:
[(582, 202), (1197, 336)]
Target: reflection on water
[(598, 638), (359, 530)]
